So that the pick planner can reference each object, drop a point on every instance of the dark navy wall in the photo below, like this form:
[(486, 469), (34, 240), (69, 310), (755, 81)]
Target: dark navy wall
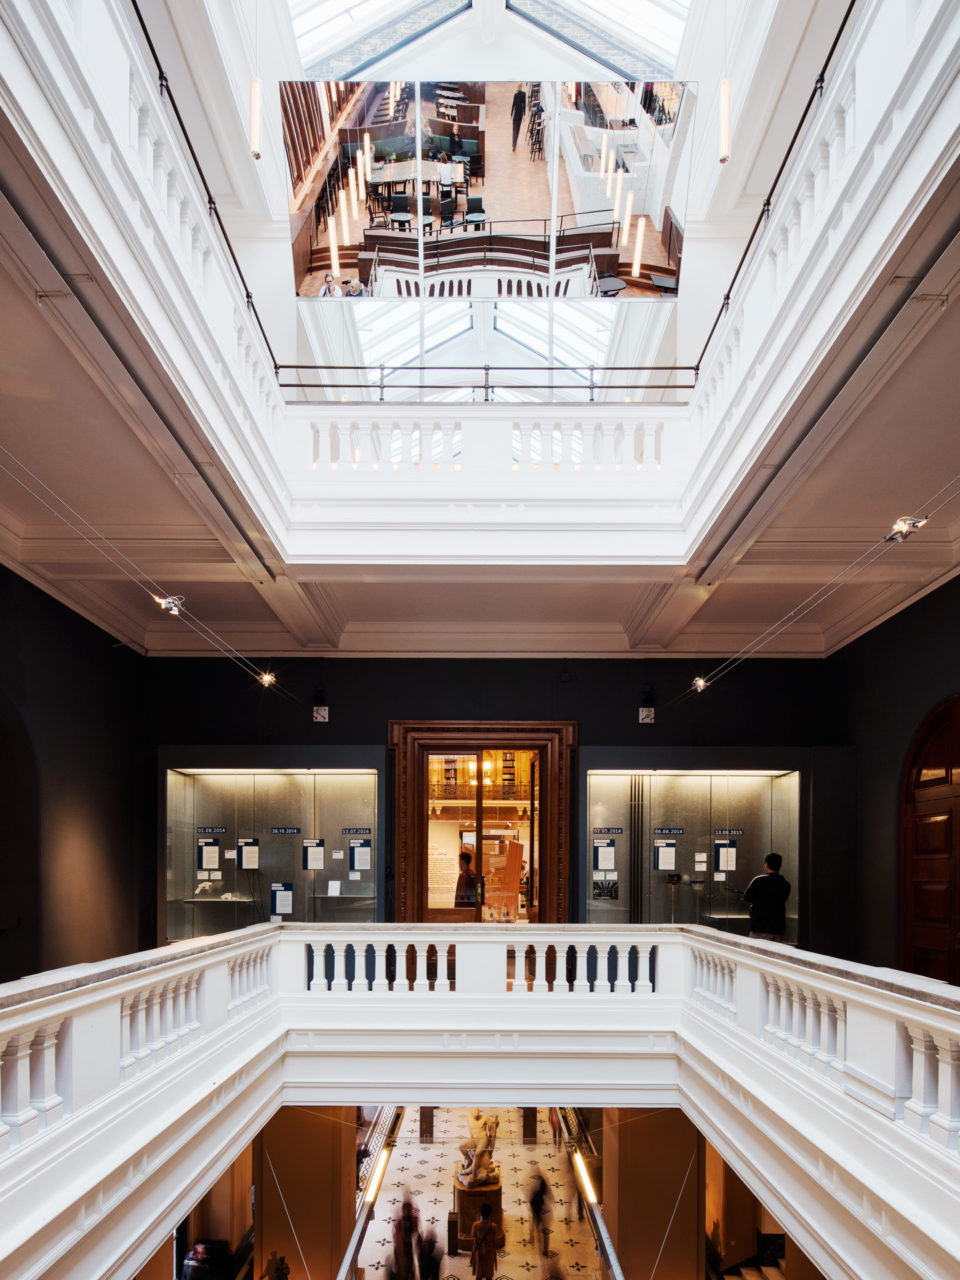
[(72, 850), (887, 683), (82, 719)]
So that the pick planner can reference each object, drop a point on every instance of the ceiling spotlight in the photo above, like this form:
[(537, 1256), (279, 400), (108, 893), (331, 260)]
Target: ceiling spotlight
[(170, 604), (699, 683), (267, 678), (903, 527)]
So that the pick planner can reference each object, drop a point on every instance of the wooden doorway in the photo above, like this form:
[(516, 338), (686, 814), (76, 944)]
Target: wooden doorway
[(930, 849), (497, 791)]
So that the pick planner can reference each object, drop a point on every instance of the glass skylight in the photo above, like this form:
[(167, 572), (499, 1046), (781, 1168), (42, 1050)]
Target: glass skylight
[(638, 38), (335, 37)]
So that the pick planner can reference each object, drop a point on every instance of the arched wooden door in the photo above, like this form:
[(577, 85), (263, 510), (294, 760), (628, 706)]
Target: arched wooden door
[(930, 849)]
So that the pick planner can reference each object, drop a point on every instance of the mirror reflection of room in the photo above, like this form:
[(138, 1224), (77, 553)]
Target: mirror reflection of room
[(495, 877), (487, 190)]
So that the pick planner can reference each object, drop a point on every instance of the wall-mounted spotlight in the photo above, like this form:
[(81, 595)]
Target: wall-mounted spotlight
[(170, 604), (903, 527), (699, 683), (267, 678)]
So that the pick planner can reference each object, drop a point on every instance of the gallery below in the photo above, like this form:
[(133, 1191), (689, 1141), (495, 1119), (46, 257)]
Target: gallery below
[(343, 1193)]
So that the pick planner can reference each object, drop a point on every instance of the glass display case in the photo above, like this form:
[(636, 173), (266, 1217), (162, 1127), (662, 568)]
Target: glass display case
[(248, 845), (681, 846)]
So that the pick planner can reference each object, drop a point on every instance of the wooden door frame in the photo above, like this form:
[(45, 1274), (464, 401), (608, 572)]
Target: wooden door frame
[(912, 793), (410, 741)]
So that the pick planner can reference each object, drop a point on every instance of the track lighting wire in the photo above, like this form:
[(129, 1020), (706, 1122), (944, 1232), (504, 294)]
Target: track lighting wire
[(99, 542), (863, 561)]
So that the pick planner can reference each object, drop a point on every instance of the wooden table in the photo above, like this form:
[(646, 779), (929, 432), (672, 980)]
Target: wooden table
[(610, 286), (406, 171)]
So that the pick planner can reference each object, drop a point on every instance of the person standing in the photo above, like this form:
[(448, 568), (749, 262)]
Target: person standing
[(465, 894), (517, 112), (406, 1235), (483, 1256), (767, 895)]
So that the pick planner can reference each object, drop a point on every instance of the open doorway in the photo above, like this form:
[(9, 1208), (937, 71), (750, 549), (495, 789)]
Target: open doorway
[(483, 822)]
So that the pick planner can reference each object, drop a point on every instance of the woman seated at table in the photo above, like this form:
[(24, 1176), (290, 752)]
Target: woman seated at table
[(446, 174), (456, 142)]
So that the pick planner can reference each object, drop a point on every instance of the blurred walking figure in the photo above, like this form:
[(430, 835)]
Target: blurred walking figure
[(406, 1234), (540, 1199), (429, 1255)]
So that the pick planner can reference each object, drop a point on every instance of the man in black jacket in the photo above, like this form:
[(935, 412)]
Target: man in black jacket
[(767, 895), (517, 111)]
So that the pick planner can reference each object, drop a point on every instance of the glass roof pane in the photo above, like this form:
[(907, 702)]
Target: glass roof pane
[(640, 39)]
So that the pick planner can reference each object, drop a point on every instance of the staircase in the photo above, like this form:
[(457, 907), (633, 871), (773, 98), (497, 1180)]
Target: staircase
[(320, 260), (775, 1272)]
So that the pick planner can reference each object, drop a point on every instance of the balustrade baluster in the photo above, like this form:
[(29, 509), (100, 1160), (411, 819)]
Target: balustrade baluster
[(773, 1010), (443, 968), (786, 1014), (811, 1031), (15, 1109), (167, 1020), (180, 1011), (379, 986), (420, 980), (193, 1006), (339, 981), (155, 1043), (945, 1123), (644, 986), (798, 1001), (43, 1074), (839, 1061), (922, 1103), (128, 1063), (581, 953), (539, 956), (138, 1030), (621, 956)]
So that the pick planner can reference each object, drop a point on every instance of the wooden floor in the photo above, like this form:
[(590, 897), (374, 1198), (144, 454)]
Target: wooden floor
[(515, 189)]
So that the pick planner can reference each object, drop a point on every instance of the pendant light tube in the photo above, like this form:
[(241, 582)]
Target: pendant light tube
[(344, 218), (618, 195), (627, 215), (352, 180), (256, 103), (724, 120), (334, 251), (603, 155), (638, 249)]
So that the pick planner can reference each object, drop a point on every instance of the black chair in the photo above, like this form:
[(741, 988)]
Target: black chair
[(476, 168), (400, 215), (448, 214), (426, 213), (445, 191), (463, 186), (476, 215)]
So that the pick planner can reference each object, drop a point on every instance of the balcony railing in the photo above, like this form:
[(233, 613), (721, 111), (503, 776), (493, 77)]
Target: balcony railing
[(833, 1089)]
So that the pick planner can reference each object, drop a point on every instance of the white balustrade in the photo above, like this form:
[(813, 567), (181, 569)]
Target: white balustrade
[(860, 1058)]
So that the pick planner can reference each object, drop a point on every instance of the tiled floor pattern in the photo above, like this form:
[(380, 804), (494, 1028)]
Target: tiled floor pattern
[(426, 1174)]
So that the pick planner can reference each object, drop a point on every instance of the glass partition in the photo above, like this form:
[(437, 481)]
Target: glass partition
[(680, 847), (244, 846)]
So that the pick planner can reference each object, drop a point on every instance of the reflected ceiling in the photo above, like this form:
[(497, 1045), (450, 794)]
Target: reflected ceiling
[(336, 39), (637, 38)]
